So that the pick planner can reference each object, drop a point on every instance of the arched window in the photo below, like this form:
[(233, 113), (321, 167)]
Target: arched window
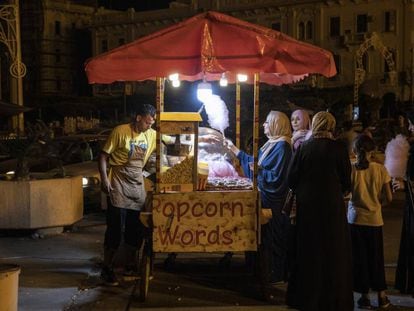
[(309, 30), (301, 31)]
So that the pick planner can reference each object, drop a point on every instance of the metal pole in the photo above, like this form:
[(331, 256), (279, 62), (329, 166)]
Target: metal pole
[(10, 36), (237, 114), (412, 78), (255, 127), (18, 70), (160, 108)]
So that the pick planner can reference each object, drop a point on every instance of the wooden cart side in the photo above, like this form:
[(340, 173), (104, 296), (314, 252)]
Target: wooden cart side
[(205, 221)]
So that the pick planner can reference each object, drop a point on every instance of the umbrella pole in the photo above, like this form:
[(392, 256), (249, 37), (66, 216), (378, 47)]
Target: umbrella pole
[(237, 114), (255, 127), (160, 107), (238, 121)]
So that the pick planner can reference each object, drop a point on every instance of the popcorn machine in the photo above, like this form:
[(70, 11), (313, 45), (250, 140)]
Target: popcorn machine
[(178, 151)]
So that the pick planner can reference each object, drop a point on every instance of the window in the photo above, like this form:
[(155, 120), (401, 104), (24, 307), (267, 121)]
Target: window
[(389, 21), (121, 41), (58, 84), (309, 30), (335, 26), (57, 55), (337, 59), (104, 46), (276, 26), (362, 23), (301, 31), (57, 28)]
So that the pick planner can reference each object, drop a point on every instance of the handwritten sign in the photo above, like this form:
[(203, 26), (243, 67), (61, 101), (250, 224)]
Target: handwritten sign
[(205, 221)]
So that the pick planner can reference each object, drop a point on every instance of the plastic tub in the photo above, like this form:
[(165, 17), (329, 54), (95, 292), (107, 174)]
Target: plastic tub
[(9, 285)]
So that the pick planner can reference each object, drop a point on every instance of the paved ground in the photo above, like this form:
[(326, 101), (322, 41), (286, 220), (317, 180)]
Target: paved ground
[(60, 272)]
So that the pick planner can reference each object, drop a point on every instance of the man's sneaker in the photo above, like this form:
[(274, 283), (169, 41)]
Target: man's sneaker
[(384, 303), (364, 303), (108, 277)]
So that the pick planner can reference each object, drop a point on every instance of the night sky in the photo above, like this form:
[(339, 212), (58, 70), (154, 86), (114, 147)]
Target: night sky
[(138, 5)]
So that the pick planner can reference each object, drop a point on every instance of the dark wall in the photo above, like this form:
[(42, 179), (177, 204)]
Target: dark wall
[(138, 5)]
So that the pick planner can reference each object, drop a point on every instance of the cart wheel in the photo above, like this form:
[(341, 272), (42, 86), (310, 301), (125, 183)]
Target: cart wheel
[(169, 262), (145, 277), (225, 261)]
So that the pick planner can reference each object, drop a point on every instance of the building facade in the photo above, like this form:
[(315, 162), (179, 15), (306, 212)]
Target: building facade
[(372, 41), (54, 46)]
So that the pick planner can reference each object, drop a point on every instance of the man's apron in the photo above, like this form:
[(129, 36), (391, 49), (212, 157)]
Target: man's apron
[(127, 181)]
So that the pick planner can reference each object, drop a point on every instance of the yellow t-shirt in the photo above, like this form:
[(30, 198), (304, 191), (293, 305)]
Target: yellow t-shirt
[(119, 143), (364, 208)]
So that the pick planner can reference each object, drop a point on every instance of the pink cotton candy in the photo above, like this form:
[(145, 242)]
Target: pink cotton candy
[(396, 156), (221, 168)]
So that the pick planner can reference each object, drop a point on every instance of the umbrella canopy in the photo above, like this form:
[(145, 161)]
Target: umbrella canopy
[(208, 45)]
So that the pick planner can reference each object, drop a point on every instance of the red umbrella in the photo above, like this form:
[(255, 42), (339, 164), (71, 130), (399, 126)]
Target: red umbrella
[(208, 45)]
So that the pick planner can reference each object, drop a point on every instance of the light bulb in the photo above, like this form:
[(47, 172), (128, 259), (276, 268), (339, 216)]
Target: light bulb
[(204, 91), (173, 77), (223, 80), (241, 77), (176, 83)]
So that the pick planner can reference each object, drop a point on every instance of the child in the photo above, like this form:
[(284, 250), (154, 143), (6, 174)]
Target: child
[(370, 183)]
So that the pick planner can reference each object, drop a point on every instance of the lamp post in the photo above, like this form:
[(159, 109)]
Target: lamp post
[(411, 77), (10, 36)]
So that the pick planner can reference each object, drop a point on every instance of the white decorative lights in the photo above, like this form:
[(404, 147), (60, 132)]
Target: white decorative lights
[(204, 91), (223, 80), (174, 78), (241, 77)]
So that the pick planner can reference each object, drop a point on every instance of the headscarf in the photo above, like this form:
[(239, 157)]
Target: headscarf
[(279, 130), (410, 116), (300, 135), (304, 119), (323, 124)]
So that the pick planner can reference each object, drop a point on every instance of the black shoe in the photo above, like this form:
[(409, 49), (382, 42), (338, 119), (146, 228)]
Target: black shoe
[(364, 303), (131, 273), (108, 277), (384, 303)]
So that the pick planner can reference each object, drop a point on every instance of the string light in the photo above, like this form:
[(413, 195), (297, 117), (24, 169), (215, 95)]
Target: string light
[(176, 83), (173, 77), (204, 91), (223, 80), (241, 77)]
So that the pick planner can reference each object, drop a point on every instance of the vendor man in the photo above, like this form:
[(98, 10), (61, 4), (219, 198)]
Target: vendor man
[(127, 150)]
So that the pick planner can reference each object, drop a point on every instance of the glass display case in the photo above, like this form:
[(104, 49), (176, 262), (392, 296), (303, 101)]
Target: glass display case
[(178, 154)]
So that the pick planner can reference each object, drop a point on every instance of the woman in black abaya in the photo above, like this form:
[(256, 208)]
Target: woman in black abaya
[(404, 276), (319, 175)]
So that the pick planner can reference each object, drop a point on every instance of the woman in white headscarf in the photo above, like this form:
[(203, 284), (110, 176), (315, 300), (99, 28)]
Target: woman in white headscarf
[(273, 162), (320, 175), (300, 121)]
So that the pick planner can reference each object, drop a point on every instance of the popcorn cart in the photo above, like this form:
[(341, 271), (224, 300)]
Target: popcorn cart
[(189, 220), (185, 217), (211, 46)]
